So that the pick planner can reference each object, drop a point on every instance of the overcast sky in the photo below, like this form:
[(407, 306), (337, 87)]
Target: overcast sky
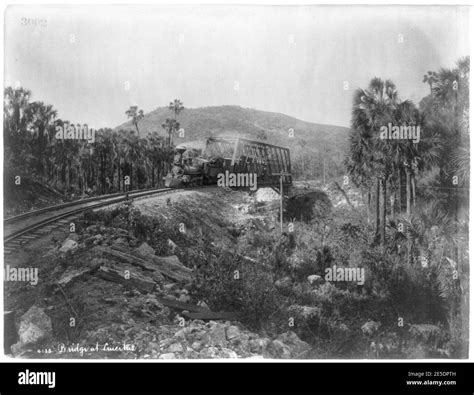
[(292, 60)]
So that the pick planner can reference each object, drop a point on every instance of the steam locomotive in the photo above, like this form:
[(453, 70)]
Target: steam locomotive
[(230, 154), (188, 169)]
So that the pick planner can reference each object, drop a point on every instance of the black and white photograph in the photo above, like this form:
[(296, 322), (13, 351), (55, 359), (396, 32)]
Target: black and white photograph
[(236, 182)]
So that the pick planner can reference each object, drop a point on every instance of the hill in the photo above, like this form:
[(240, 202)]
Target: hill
[(311, 144)]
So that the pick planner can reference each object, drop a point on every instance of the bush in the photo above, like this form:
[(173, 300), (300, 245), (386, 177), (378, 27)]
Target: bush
[(225, 282)]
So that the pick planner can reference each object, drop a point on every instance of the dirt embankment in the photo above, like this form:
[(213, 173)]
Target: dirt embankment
[(120, 286)]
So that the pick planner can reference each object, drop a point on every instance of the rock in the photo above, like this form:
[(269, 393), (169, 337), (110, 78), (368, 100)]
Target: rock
[(169, 355), (227, 353), (120, 242), (284, 282), (232, 332), (294, 261), (71, 275), (306, 312), (203, 305), (296, 345), (196, 345), (73, 236), (175, 347), (69, 245), (172, 246), (259, 345), (216, 335), (182, 333), (370, 327), (279, 349), (152, 302), (97, 239), (145, 249), (184, 298), (35, 327), (314, 279), (168, 286), (209, 352), (157, 277)]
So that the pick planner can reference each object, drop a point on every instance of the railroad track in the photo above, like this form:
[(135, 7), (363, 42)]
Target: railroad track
[(21, 229)]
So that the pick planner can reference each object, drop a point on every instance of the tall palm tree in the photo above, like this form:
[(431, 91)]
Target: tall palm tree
[(431, 77), (40, 117), (15, 121), (176, 106), (373, 108), (15, 103), (136, 115), (170, 125)]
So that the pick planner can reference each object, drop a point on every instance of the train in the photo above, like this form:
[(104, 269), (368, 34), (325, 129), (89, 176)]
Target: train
[(232, 155), (189, 170)]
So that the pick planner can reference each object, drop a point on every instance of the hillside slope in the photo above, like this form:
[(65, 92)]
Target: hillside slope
[(310, 145)]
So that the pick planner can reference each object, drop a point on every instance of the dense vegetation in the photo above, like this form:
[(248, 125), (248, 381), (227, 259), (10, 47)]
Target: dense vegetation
[(141, 148), (114, 161), (414, 303)]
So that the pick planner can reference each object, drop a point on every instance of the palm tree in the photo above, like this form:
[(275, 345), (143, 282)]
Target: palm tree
[(40, 117), (15, 104), (430, 78), (170, 125), (136, 115), (176, 106), (372, 109)]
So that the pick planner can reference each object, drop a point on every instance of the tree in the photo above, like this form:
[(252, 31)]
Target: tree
[(170, 126), (15, 104), (136, 115), (176, 106), (430, 78), (40, 117), (370, 156)]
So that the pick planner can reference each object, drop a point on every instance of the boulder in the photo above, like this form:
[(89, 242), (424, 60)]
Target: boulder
[(120, 242), (175, 347), (297, 346), (216, 335), (73, 236), (314, 279), (168, 355), (184, 298), (284, 282), (370, 327), (227, 353), (69, 246), (172, 246), (35, 327), (233, 333), (97, 239), (209, 353), (259, 345), (306, 312), (144, 249), (196, 345), (278, 349), (169, 286), (203, 305), (72, 274)]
